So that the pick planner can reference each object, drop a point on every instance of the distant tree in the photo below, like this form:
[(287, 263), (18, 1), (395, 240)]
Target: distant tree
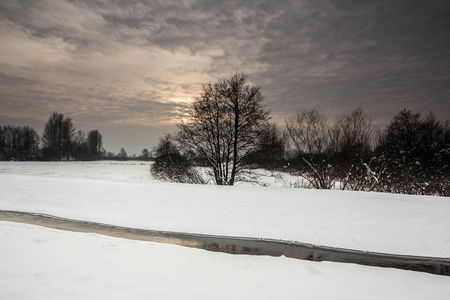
[(309, 138), (145, 153), (416, 155), (271, 144), (57, 137), (352, 142), (330, 155), (122, 154), (8, 142), (30, 146), (66, 136), (222, 126), (79, 137), (18, 143), (95, 144), (2, 144), (81, 148), (171, 165)]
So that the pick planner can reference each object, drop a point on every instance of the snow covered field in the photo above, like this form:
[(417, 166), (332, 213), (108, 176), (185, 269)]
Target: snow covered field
[(41, 263), (38, 262)]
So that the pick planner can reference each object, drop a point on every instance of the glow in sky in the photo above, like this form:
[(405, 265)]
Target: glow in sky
[(128, 68)]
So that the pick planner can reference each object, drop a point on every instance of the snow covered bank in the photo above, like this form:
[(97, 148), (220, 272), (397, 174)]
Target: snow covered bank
[(41, 263), (237, 245), (107, 193)]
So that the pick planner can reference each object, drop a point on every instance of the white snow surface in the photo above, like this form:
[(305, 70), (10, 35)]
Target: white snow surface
[(42, 263), (125, 194)]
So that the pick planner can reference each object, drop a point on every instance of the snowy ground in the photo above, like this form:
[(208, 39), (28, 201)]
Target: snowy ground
[(38, 262), (41, 263)]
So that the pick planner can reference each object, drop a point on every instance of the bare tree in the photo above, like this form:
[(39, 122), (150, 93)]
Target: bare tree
[(57, 137), (222, 126), (30, 146), (271, 144), (3, 152), (333, 155), (18, 143), (145, 153), (309, 136), (81, 148), (95, 143), (66, 134), (122, 154), (352, 134)]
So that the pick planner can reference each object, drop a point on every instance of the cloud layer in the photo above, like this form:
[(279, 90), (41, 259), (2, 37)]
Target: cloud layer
[(135, 65)]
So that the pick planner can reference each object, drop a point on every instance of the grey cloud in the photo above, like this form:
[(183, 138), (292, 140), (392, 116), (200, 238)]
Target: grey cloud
[(60, 19), (370, 51), (8, 79), (384, 55)]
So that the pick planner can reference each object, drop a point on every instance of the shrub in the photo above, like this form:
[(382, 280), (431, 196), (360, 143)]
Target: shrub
[(171, 165)]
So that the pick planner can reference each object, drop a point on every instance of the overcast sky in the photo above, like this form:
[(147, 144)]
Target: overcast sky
[(128, 68)]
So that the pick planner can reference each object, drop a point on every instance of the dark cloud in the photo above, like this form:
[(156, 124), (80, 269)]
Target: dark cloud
[(137, 63), (11, 80), (368, 52)]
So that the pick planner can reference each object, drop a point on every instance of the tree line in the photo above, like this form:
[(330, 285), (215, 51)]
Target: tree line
[(228, 131), (411, 155), (60, 141), (21, 143)]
